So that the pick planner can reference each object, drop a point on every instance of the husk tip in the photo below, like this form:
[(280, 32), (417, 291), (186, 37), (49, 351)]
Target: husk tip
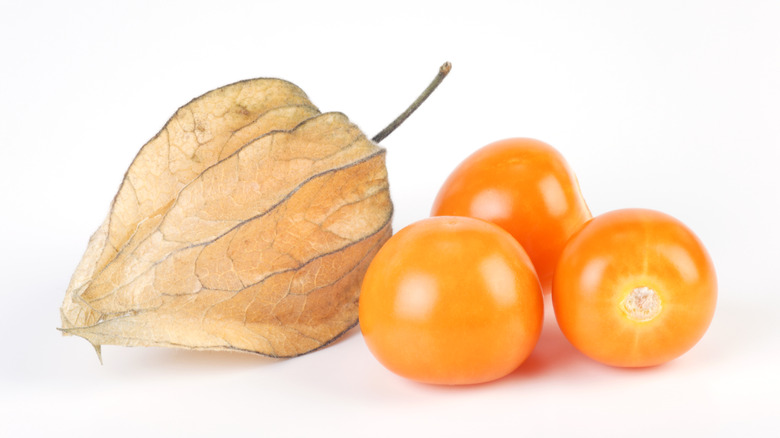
[(67, 332), (99, 352)]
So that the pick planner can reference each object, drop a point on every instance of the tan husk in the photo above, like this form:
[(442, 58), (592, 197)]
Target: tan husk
[(246, 223)]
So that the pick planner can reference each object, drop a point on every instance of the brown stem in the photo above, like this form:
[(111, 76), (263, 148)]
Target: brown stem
[(443, 70)]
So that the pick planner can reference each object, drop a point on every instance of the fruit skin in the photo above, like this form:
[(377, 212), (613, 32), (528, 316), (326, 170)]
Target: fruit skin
[(451, 300), (616, 253), (527, 188)]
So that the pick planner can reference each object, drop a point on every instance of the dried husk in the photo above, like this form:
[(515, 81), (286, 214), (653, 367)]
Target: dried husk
[(246, 223)]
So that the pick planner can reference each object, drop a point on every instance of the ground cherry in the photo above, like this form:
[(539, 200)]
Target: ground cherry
[(451, 300), (634, 288), (526, 187)]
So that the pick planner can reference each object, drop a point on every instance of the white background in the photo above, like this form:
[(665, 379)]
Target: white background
[(671, 105)]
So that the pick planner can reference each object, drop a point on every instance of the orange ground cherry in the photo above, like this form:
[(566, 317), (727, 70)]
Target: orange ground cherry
[(634, 288), (451, 300), (526, 187)]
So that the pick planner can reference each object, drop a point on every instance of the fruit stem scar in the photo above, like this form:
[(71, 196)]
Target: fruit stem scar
[(642, 304), (443, 71)]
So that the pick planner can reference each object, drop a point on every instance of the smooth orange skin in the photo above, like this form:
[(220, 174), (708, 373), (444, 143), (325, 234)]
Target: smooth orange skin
[(617, 252), (451, 300), (526, 187)]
